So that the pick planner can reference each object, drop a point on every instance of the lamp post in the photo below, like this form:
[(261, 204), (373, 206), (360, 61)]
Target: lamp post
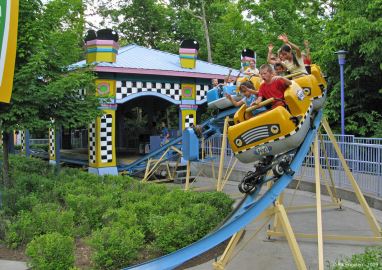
[(341, 61)]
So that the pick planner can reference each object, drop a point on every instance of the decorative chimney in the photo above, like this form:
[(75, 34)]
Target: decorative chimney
[(101, 46), (246, 56), (188, 53)]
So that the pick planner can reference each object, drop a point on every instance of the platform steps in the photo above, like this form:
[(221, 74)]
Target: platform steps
[(181, 175)]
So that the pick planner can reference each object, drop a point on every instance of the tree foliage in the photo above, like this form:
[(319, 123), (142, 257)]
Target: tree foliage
[(329, 25), (356, 27), (49, 40)]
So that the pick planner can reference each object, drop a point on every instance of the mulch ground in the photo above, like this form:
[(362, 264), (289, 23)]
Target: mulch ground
[(83, 253), (12, 255)]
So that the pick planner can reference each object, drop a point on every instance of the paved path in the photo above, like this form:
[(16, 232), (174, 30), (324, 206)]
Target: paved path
[(12, 265), (257, 253)]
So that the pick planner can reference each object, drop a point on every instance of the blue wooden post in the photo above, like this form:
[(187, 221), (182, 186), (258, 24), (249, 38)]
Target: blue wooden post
[(341, 61), (11, 143), (58, 145)]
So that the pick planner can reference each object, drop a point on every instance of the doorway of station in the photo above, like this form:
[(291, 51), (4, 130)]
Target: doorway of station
[(140, 125)]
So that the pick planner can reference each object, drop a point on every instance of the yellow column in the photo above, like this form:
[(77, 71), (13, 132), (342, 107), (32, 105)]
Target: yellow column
[(320, 242), (102, 150)]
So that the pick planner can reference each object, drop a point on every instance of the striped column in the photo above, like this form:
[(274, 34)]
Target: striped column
[(52, 146), (102, 151)]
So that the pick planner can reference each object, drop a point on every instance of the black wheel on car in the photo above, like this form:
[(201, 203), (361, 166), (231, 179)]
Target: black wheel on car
[(246, 187), (278, 170)]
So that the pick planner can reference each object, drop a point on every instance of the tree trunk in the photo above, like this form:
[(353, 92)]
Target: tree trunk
[(206, 34), (6, 178)]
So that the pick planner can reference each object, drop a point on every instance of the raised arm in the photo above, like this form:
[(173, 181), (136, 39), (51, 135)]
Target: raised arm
[(307, 49), (269, 57), (234, 102), (252, 91), (284, 38), (227, 77)]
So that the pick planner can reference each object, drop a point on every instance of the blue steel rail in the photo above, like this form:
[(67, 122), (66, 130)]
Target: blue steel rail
[(242, 216), (214, 124)]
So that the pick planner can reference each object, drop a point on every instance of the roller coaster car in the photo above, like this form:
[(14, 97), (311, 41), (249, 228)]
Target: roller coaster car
[(273, 132), (255, 80), (314, 87), (216, 96)]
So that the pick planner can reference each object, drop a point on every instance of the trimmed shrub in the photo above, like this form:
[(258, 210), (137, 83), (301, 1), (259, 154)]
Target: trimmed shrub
[(115, 247), (44, 218), (51, 251), (124, 220), (89, 210), (187, 226)]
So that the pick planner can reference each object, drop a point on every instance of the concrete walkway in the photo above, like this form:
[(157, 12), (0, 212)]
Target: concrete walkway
[(256, 252), (12, 265)]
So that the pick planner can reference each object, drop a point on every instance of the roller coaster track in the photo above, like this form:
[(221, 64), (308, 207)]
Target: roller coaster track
[(215, 125), (245, 213)]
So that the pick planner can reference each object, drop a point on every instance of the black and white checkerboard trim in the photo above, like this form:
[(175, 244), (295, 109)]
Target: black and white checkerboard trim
[(201, 91), (106, 139), (92, 142), (282, 137), (189, 120), (52, 144), (22, 140), (172, 90), (126, 88)]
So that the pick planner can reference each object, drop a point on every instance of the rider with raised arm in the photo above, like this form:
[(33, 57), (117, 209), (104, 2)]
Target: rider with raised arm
[(272, 86)]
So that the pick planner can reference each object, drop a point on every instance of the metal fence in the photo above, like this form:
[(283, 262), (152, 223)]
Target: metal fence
[(38, 141), (363, 156)]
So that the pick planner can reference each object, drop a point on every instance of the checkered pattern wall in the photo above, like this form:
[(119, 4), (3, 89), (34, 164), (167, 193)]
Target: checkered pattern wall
[(22, 140), (106, 139), (189, 120), (52, 144), (92, 142), (172, 90), (201, 92)]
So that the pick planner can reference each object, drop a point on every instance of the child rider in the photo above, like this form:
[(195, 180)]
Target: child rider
[(249, 93), (272, 86)]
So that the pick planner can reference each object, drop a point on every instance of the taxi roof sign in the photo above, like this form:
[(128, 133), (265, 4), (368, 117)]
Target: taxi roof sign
[(9, 10)]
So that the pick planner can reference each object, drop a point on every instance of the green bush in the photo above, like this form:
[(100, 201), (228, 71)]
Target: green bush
[(44, 147), (51, 251), (187, 226), (44, 218), (121, 217), (115, 247), (371, 259), (30, 165), (89, 210)]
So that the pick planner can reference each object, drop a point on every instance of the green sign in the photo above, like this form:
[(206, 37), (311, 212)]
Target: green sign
[(9, 11), (3, 15)]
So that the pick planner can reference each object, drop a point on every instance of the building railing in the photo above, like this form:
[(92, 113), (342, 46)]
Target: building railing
[(38, 141), (363, 156)]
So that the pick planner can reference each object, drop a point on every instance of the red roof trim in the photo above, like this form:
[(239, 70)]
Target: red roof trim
[(159, 72)]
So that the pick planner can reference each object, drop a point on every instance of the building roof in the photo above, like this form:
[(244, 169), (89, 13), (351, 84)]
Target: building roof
[(136, 59)]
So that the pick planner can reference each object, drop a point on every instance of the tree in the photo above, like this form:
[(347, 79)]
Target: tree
[(49, 40), (145, 22), (355, 27), (206, 11)]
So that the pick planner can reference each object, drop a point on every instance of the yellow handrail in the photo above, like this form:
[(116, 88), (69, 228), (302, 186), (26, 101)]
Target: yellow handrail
[(261, 104)]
